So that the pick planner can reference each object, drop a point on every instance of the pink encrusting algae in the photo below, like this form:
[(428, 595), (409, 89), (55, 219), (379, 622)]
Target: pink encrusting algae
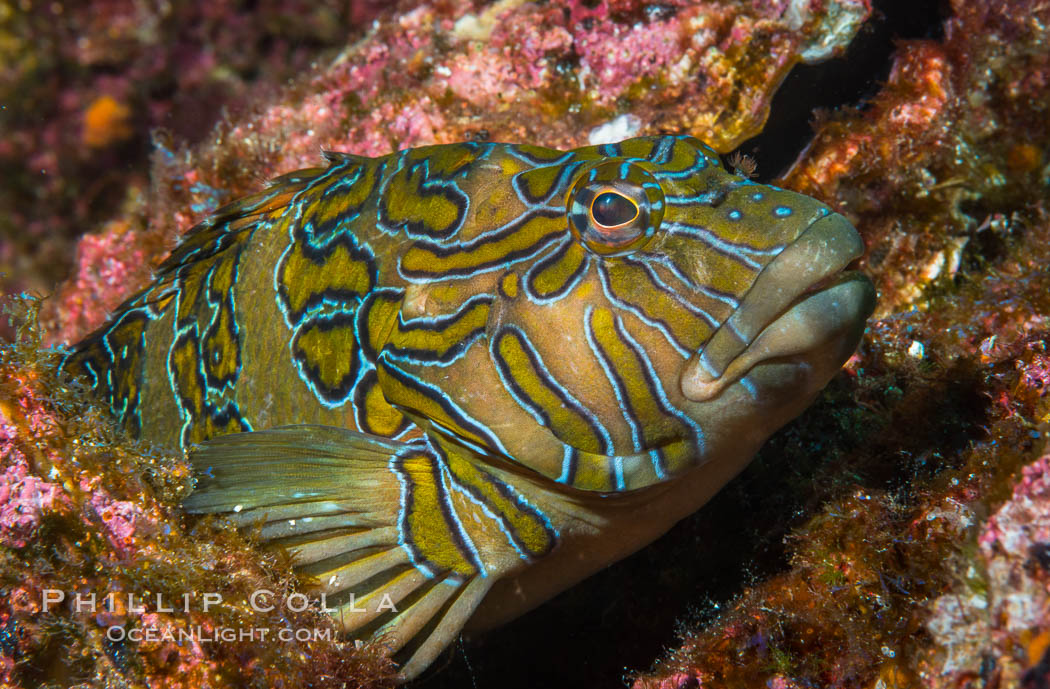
[(95, 553), (83, 85), (913, 497), (24, 501), (120, 520), (510, 71), (1006, 606), (105, 262)]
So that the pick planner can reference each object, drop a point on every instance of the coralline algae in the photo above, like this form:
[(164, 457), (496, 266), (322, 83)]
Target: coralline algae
[(904, 494), (511, 71), (85, 517), (83, 84)]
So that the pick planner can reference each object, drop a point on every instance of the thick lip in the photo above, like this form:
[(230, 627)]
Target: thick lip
[(802, 300)]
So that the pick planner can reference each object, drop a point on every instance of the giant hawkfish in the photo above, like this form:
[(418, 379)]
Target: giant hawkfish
[(460, 378)]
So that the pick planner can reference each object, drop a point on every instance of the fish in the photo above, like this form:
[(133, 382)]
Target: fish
[(455, 380)]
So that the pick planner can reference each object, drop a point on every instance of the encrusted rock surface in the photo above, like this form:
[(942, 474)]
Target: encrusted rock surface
[(895, 535)]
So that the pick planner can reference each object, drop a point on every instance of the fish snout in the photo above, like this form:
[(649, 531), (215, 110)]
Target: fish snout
[(800, 303)]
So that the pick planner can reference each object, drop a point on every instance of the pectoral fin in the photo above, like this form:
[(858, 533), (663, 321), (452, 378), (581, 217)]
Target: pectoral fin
[(376, 523)]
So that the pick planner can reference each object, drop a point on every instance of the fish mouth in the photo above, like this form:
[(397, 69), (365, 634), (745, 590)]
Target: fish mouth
[(803, 300)]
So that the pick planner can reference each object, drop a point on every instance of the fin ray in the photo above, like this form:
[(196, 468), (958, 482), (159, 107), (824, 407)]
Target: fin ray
[(407, 624), (468, 597), (336, 499), (302, 464), (349, 574), (316, 548), (395, 590)]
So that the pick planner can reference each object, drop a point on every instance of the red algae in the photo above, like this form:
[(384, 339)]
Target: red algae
[(913, 497), (105, 262), (83, 84), (513, 71), (903, 579), (25, 500), (96, 559)]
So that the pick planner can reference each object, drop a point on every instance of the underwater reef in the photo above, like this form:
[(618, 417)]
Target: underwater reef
[(86, 85), (895, 535)]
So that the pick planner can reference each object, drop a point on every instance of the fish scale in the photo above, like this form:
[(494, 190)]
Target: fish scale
[(454, 380)]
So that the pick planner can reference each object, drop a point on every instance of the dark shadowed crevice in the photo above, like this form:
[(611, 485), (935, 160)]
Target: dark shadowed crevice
[(849, 80)]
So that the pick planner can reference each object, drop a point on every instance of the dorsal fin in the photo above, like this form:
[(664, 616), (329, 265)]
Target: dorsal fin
[(337, 157), (231, 222)]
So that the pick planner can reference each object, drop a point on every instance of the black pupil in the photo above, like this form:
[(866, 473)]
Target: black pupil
[(610, 210)]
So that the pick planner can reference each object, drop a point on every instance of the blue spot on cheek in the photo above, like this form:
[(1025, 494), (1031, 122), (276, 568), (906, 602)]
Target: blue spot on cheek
[(735, 215), (757, 196), (782, 211)]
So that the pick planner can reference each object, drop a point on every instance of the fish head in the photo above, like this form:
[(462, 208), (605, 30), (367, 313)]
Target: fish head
[(675, 314), (777, 263)]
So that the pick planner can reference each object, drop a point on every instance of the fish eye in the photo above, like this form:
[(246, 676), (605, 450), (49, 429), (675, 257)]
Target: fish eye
[(610, 209), (615, 207)]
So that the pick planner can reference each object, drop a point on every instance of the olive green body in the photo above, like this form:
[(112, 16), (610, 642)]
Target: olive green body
[(461, 378)]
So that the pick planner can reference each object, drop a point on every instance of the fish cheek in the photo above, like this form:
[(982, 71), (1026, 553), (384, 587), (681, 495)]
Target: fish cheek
[(537, 375), (568, 366)]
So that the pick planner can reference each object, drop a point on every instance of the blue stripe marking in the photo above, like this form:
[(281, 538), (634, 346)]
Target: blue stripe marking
[(704, 199), (90, 368), (402, 512), (641, 315), (183, 411), (311, 318), (656, 384), (614, 381), (731, 325), (706, 365), (554, 253), (661, 153), (439, 397), (429, 187), (658, 464), (740, 252), (556, 191), (516, 152), (568, 467), (750, 387), (666, 262), (693, 169), (507, 260), (644, 263), (508, 492), (448, 484), (214, 301), (543, 372)]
